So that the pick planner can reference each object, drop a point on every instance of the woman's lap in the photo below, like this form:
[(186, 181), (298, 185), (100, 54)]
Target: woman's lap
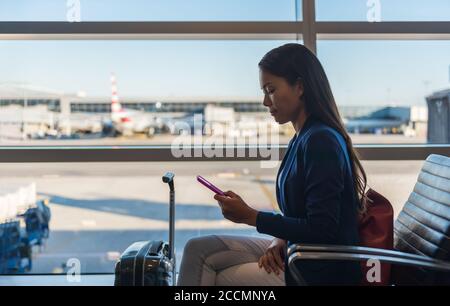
[(226, 260), (248, 274)]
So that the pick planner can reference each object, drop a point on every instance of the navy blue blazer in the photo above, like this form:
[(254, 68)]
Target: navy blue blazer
[(316, 195)]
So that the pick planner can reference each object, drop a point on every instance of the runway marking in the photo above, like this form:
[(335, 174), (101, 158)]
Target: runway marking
[(57, 270), (89, 223), (50, 176), (151, 225), (109, 255), (227, 174), (268, 193)]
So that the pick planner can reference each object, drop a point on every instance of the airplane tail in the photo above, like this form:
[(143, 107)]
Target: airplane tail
[(116, 107), (117, 112)]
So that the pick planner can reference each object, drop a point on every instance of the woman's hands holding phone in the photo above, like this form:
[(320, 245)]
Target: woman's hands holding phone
[(235, 209), (273, 258)]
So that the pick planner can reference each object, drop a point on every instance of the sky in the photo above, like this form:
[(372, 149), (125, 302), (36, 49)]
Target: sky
[(360, 72)]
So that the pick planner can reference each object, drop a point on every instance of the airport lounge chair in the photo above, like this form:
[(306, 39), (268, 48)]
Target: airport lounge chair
[(421, 254)]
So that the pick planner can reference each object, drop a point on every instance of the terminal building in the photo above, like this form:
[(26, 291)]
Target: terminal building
[(52, 107)]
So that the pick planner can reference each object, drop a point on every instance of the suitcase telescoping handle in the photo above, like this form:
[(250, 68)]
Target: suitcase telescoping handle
[(168, 178)]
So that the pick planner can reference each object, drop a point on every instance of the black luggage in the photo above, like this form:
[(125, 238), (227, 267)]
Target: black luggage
[(150, 263)]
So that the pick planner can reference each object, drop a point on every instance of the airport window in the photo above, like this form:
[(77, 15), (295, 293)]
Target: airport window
[(57, 91), (413, 80), (84, 86), (98, 210), (155, 10), (380, 10), (381, 87)]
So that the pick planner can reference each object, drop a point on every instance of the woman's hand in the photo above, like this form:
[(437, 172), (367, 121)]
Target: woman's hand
[(273, 259), (235, 209)]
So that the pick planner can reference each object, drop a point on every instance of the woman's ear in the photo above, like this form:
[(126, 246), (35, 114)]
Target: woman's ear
[(299, 87)]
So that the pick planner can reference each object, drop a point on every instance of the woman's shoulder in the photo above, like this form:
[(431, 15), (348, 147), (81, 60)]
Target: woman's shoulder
[(321, 142), (320, 135)]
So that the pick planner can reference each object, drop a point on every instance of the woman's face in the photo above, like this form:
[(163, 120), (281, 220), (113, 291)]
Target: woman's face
[(281, 98)]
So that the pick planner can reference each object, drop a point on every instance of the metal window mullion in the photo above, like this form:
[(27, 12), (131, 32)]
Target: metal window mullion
[(165, 153), (309, 25), (150, 30), (309, 28), (359, 30)]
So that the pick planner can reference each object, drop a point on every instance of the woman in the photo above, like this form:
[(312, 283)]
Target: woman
[(320, 189)]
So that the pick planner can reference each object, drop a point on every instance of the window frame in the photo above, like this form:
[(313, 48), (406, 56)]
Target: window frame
[(309, 30)]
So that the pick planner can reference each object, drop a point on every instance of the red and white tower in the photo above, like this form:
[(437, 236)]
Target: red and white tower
[(117, 112)]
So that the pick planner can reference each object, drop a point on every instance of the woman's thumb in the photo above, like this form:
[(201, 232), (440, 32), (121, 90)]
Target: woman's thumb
[(218, 197), (230, 194)]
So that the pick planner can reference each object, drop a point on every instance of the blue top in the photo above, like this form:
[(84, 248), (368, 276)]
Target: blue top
[(316, 195)]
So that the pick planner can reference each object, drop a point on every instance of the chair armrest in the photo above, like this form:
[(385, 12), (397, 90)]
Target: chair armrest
[(353, 253), (355, 250)]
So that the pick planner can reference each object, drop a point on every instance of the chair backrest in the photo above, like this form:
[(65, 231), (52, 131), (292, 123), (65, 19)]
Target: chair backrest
[(423, 225)]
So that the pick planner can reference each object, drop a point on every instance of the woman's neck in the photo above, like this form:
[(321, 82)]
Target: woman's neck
[(300, 121)]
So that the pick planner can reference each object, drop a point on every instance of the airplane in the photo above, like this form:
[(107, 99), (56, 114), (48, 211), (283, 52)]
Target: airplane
[(192, 123), (79, 123), (385, 120), (373, 125), (128, 122)]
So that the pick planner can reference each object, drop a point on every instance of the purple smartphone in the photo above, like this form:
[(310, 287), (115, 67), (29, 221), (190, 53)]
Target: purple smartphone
[(208, 185)]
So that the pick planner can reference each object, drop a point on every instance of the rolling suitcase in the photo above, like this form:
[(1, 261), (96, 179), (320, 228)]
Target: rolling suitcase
[(150, 263)]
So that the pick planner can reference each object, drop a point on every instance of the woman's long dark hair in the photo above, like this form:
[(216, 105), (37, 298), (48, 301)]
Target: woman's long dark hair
[(295, 62)]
